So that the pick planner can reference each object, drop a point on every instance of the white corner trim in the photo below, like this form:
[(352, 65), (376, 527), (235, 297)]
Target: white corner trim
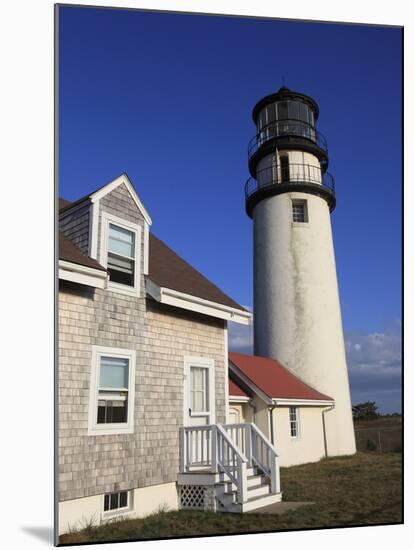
[(107, 429), (76, 273), (226, 374), (93, 229), (281, 402), (122, 179), (207, 363), (194, 303), (106, 219), (251, 385), (146, 248)]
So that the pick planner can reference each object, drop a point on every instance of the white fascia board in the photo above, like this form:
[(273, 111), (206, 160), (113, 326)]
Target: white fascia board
[(123, 178), (194, 303), (238, 399), (81, 274), (280, 402), (251, 385)]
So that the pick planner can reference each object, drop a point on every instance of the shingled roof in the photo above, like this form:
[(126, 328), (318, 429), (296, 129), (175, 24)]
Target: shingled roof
[(273, 379), (166, 268), (69, 252)]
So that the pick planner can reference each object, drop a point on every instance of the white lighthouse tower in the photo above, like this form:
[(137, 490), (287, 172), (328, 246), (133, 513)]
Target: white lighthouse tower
[(290, 196)]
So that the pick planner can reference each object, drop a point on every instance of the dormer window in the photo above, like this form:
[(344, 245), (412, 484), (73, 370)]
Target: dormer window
[(121, 253)]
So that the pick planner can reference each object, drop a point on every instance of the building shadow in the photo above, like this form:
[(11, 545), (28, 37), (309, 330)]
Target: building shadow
[(43, 533)]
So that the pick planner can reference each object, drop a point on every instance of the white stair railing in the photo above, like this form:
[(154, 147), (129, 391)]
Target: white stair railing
[(266, 457), (209, 448), (232, 462), (258, 450)]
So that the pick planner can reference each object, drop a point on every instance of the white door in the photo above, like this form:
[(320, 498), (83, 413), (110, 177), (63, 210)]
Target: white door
[(199, 405)]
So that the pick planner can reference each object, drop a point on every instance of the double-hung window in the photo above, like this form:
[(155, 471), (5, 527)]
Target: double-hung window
[(294, 422), (120, 253), (113, 390), (111, 407)]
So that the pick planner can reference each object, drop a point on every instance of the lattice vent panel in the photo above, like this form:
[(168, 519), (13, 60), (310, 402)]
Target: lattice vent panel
[(192, 497)]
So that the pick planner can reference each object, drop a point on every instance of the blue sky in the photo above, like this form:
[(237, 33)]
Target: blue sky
[(167, 98)]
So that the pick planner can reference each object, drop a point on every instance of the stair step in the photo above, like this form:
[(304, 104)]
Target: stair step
[(253, 503), (257, 491), (256, 480), (259, 502)]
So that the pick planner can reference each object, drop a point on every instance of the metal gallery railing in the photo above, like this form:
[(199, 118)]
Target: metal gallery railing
[(292, 173)]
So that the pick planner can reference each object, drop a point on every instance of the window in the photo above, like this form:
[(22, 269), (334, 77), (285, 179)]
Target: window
[(117, 501), (284, 169), (111, 406), (199, 389), (113, 390), (299, 212), (294, 422), (120, 253)]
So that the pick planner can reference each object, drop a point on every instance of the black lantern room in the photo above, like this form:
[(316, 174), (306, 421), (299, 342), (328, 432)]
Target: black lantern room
[(286, 122)]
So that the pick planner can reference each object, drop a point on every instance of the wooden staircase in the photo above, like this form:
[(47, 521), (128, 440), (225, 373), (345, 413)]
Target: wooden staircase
[(235, 462), (259, 494)]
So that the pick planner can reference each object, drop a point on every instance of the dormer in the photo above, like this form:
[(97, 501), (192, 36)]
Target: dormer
[(111, 226)]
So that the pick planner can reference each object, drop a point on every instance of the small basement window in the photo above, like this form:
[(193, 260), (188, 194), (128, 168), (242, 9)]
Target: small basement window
[(299, 211), (116, 501)]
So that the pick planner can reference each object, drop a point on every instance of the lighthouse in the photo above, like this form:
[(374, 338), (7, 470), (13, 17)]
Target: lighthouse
[(289, 197)]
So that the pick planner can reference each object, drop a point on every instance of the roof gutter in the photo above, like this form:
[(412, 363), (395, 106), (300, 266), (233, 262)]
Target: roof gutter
[(194, 303), (81, 274), (293, 402)]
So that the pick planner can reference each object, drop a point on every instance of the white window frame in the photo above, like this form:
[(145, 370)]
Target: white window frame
[(297, 423), (304, 204), (209, 364), (115, 428), (106, 220), (119, 511)]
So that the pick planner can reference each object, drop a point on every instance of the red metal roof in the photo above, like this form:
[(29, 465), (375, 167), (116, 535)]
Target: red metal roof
[(275, 380), (235, 389)]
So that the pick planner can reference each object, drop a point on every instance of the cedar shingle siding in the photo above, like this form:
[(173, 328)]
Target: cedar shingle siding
[(161, 336), (75, 226)]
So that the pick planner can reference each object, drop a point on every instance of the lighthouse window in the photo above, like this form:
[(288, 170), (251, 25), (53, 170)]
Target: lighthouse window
[(282, 110), (299, 212)]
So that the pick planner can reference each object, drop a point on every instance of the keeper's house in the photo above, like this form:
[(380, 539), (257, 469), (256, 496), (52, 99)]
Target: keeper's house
[(150, 410)]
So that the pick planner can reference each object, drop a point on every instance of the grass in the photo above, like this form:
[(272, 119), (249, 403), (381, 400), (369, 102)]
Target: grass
[(364, 489)]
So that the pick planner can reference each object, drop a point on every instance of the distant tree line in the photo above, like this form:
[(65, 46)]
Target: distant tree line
[(367, 411)]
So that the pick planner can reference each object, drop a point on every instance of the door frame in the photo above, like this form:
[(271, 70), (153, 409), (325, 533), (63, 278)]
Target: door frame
[(209, 364)]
